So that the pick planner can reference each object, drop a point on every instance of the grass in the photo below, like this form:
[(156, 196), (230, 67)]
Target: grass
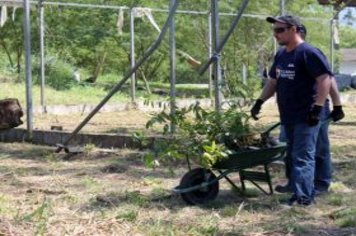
[(75, 95), (44, 194), (93, 94), (110, 192)]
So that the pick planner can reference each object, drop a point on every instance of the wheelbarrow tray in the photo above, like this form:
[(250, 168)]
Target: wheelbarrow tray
[(250, 158)]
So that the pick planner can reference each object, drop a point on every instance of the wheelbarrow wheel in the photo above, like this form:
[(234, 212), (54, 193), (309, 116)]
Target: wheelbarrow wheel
[(196, 177)]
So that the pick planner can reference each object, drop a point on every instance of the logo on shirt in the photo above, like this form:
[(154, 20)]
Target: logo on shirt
[(285, 73), (278, 73), (291, 65)]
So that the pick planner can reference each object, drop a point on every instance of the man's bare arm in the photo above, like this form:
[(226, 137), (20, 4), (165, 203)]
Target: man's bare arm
[(268, 90), (323, 88), (334, 93)]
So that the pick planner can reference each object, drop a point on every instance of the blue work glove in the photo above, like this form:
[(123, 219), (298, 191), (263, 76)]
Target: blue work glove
[(337, 113), (313, 115), (256, 108)]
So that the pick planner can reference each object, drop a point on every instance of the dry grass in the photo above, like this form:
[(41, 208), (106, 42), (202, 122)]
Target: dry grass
[(110, 192)]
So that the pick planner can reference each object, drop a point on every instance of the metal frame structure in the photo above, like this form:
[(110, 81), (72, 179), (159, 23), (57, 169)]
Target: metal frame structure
[(42, 3), (215, 48), (217, 70), (213, 25)]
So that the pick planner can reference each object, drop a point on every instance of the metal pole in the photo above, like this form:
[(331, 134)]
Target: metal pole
[(210, 51), (42, 55), (244, 74), (217, 61), (132, 53), (332, 44), (172, 61), (282, 7), (28, 69)]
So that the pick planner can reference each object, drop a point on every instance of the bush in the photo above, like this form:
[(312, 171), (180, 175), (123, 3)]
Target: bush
[(58, 73)]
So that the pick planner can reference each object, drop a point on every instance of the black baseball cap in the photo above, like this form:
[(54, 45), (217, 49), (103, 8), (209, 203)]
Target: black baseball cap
[(287, 19), (303, 29)]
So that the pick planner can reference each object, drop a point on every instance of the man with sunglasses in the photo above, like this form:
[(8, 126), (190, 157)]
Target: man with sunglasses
[(301, 77), (323, 165)]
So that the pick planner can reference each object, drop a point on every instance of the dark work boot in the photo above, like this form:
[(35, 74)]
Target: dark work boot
[(283, 189)]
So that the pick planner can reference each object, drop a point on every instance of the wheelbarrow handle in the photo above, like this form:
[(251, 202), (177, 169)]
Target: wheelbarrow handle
[(266, 133), (279, 123)]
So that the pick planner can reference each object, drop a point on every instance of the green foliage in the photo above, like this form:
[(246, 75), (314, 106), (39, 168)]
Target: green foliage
[(140, 139), (130, 215), (212, 154), (40, 216), (88, 39), (345, 217), (336, 200), (348, 37), (11, 40), (89, 148), (201, 134), (136, 198), (60, 75), (109, 79)]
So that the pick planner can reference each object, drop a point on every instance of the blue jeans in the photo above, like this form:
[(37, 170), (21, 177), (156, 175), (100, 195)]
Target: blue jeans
[(301, 150), (323, 164), (282, 134)]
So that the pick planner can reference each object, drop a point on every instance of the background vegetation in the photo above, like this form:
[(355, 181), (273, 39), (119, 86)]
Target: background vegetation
[(86, 41)]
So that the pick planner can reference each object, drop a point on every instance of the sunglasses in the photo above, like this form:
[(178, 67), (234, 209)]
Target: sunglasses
[(280, 30)]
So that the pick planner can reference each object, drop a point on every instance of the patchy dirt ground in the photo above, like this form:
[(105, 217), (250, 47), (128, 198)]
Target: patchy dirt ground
[(110, 192), (115, 122)]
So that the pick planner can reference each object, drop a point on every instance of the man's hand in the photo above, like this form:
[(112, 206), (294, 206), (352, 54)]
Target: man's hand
[(337, 113), (256, 108), (313, 115)]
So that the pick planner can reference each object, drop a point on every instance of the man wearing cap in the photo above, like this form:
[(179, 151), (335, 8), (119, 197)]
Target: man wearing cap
[(300, 76), (323, 165)]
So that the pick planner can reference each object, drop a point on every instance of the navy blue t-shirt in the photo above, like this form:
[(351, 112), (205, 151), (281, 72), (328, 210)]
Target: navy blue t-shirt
[(296, 74)]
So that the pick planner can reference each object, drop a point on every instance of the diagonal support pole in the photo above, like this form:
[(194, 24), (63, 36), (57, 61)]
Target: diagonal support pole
[(225, 39), (118, 86)]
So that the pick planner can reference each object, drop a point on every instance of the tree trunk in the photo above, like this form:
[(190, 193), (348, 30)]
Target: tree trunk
[(3, 44), (99, 67), (19, 54), (145, 81)]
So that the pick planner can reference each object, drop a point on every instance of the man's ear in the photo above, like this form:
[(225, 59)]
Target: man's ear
[(296, 28)]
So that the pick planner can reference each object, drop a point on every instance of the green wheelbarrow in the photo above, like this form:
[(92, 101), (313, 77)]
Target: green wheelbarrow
[(201, 185)]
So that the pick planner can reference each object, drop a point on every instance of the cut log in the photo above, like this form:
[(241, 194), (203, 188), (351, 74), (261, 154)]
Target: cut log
[(10, 113)]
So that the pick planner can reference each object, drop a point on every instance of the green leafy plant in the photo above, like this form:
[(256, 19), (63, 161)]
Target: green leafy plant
[(140, 139), (212, 153), (59, 73), (202, 135)]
